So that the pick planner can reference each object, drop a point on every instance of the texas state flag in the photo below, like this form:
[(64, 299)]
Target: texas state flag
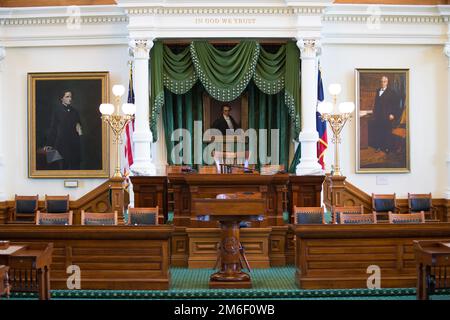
[(321, 126)]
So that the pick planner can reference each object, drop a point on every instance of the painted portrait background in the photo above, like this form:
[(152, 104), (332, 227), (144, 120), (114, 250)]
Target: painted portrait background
[(88, 92), (382, 120)]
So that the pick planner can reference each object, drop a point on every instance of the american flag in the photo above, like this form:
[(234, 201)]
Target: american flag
[(129, 129)]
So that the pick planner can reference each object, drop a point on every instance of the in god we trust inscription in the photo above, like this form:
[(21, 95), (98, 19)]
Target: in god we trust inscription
[(223, 21)]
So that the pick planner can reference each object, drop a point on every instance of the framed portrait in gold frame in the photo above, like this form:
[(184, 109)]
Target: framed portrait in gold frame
[(382, 121), (66, 135)]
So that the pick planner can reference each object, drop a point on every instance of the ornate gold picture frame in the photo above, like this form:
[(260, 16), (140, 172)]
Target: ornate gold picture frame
[(382, 121), (66, 135)]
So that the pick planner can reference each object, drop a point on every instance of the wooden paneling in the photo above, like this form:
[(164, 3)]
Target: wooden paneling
[(96, 200), (305, 191), (110, 257), (337, 256), (340, 192), (203, 246), (45, 3), (151, 192)]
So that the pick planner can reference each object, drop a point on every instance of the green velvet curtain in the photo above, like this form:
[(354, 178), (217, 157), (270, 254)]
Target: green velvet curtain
[(179, 112), (225, 74), (269, 112)]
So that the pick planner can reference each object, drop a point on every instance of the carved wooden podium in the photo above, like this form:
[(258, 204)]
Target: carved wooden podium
[(230, 212)]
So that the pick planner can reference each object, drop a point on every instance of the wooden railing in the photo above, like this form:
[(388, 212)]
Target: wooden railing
[(339, 192), (107, 197)]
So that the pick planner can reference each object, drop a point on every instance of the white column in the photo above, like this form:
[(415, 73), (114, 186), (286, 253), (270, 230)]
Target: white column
[(159, 150), (447, 53), (142, 137), (309, 136), (2, 134)]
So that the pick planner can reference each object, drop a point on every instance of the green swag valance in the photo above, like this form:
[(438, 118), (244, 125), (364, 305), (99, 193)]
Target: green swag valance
[(225, 74)]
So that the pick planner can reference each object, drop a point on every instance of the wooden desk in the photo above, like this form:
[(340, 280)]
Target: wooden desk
[(230, 212), (174, 193), (29, 265), (187, 187), (4, 282), (110, 257), (433, 262), (337, 256)]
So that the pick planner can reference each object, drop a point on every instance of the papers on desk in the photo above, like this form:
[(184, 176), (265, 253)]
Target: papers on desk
[(447, 244)]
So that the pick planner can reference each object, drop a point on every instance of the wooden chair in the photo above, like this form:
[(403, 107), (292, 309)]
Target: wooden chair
[(143, 216), (383, 204), (356, 218), (57, 204), (25, 208), (309, 215), (99, 219), (422, 202), (337, 211), (43, 218), (398, 218)]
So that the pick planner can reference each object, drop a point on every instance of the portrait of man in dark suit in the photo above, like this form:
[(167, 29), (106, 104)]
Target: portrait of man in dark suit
[(386, 114), (382, 120), (225, 121)]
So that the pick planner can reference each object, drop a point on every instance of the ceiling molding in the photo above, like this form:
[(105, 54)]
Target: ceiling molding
[(337, 23)]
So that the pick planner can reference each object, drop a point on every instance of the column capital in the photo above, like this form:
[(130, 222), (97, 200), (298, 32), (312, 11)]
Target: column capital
[(447, 49), (309, 48), (141, 48)]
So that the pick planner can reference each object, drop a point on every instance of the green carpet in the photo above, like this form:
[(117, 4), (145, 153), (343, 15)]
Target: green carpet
[(273, 283)]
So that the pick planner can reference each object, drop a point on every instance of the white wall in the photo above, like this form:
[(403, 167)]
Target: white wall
[(427, 113), (13, 130)]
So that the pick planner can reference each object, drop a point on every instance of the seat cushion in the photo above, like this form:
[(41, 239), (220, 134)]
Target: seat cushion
[(99, 222), (420, 204), (406, 220), (26, 206), (143, 219), (384, 205), (57, 206), (309, 218), (358, 221), (54, 221)]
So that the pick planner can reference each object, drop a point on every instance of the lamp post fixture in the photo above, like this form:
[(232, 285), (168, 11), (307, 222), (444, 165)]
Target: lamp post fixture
[(117, 121), (337, 118)]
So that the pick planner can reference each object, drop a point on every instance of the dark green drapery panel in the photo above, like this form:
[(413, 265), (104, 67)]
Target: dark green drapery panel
[(179, 112), (296, 159), (269, 112), (225, 74)]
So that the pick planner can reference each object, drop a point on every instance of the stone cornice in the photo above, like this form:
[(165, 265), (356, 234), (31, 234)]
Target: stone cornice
[(60, 15), (257, 10), (391, 14)]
